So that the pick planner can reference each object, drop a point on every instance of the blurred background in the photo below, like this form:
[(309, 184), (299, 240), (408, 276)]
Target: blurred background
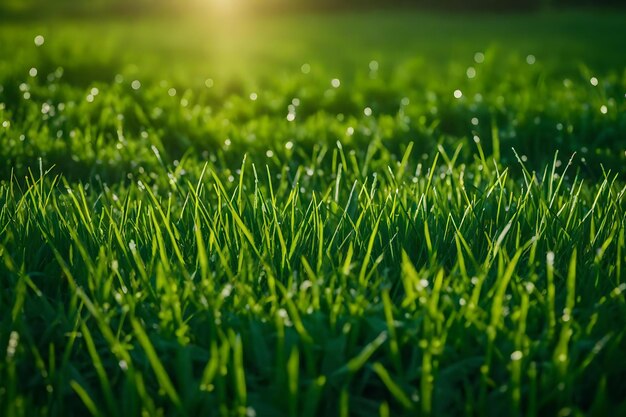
[(549, 74), (46, 8)]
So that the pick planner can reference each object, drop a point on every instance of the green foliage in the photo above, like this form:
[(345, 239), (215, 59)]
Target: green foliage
[(186, 247)]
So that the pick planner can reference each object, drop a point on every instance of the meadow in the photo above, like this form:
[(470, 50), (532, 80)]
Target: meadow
[(350, 214)]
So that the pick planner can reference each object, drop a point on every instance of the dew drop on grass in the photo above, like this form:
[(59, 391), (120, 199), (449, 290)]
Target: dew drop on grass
[(594, 81), (135, 85), (335, 82), (530, 59), (470, 72), (516, 356), (39, 40), (479, 57), (604, 109), (33, 72), (14, 340), (458, 94)]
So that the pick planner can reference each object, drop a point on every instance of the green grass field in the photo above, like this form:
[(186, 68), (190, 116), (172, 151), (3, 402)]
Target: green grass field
[(366, 214)]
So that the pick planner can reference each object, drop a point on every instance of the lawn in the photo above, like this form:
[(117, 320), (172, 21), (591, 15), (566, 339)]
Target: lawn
[(350, 214)]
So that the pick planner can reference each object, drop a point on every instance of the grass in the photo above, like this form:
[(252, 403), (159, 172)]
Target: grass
[(209, 238)]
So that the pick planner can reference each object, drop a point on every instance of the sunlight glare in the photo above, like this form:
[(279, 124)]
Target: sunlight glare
[(224, 7)]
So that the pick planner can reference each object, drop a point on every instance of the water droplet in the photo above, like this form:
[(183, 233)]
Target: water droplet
[(479, 57), (39, 40), (458, 94), (335, 82)]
